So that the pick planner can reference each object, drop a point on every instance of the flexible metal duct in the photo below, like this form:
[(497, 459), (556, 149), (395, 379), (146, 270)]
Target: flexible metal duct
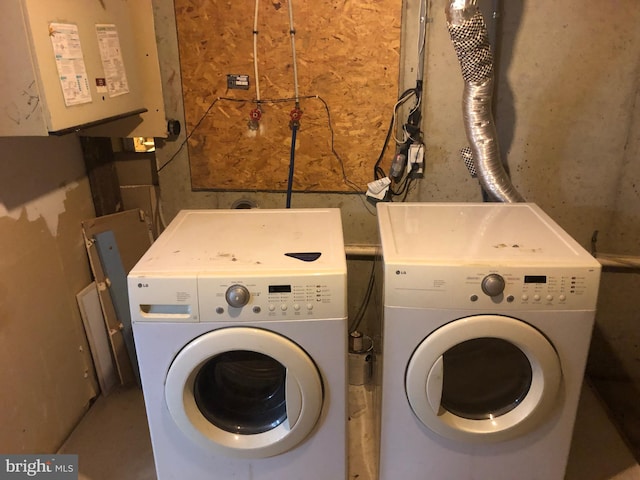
[(468, 33)]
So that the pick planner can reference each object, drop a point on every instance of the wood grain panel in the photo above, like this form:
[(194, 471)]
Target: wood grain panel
[(347, 64)]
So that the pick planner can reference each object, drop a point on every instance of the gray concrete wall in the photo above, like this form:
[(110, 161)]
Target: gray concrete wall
[(567, 113)]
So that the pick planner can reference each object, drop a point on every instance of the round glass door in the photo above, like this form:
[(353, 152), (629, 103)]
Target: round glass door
[(483, 378), (244, 392)]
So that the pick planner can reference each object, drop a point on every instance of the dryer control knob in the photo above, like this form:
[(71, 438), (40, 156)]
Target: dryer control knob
[(237, 296), (493, 285)]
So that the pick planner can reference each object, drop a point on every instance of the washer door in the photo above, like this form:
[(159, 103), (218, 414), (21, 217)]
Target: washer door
[(483, 378), (244, 392)]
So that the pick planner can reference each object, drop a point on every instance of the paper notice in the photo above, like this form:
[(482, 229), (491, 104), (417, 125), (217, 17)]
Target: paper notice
[(112, 63), (70, 62)]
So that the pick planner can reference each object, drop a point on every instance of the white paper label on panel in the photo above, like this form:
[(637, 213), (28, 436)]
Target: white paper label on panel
[(70, 62), (112, 62)]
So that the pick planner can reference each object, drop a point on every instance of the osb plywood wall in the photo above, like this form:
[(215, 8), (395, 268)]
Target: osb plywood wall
[(347, 55)]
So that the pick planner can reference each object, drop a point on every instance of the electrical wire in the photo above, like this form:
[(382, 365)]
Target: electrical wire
[(353, 186), (190, 134), (345, 179), (399, 103), (407, 183), (378, 172), (422, 39), (357, 319), (411, 128)]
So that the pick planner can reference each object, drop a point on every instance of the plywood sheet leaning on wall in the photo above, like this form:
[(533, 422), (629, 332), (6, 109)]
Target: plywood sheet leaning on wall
[(347, 56)]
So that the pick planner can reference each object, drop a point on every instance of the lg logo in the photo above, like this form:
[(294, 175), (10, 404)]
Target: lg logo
[(401, 272), (143, 285)]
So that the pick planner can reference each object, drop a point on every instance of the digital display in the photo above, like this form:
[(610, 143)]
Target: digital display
[(279, 288), (535, 279)]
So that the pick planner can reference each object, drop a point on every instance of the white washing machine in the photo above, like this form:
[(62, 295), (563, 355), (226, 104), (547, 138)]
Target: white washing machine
[(488, 313), (240, 326)]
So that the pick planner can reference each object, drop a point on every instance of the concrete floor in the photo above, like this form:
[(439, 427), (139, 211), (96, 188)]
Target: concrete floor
[(113, 442)]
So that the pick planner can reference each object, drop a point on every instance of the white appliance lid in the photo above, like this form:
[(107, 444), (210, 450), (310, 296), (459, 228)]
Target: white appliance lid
[(255, 241), (463, 233)]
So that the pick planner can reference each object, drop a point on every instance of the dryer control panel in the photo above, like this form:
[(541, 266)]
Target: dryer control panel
[(500, 289)]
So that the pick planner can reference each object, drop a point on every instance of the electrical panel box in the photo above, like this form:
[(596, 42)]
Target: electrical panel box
[(67, 65)]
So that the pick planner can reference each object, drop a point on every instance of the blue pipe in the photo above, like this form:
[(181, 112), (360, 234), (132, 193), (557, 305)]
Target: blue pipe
[(292, 157)]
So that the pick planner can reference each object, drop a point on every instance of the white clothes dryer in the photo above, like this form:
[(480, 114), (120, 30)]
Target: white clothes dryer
[(488, 314), (240, 326)]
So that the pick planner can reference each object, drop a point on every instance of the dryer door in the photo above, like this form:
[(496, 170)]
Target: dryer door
[(483, 378), (244, 392)]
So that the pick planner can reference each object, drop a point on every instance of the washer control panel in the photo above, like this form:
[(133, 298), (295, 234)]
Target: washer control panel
[(215, 299), (321, 296), (495, 288)]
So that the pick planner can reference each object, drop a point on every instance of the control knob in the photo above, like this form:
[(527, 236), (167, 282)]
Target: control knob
[(493, 285), (237, 296)]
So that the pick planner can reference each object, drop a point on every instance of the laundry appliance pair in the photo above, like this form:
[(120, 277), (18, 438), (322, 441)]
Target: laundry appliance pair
[(239, 319), (488, 313)]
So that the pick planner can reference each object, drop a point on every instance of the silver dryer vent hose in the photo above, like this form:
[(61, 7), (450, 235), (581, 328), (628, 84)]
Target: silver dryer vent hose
[(468, 33)]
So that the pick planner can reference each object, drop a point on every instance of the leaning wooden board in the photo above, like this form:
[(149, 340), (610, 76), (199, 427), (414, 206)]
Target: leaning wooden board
[(132, 232)]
